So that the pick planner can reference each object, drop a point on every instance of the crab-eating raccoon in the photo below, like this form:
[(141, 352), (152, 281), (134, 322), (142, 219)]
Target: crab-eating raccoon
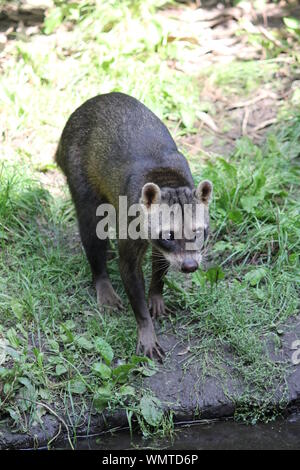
[(114, 146)]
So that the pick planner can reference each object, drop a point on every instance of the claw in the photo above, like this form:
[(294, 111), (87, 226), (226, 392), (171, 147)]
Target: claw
[(148, 345), (160, 352), (106, 296), (156, 305)]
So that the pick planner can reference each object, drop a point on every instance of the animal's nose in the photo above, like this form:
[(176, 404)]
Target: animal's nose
[(189, 266)]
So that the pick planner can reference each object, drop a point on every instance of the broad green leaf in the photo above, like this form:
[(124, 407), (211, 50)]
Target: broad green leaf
[(228, 167), (17, 309), (292, 23), (60, 369), (68, 334), (214, 275), (236, 216), (84, 343), (27, 394), (121, 372), (53, 20), (14, 414), (102, 397), (3, 372), (259, 181), (249, 203), (13, 338), (25, 381), (54, 345), (199, 278), (39, 356), (127, 390), (70, 324), (102, 369), (294, 258), (151, 410), (148, 372), (255, 276), (77, 386), (260, 293), (139, 359), (12, 353), (104, 349), (45, 394)]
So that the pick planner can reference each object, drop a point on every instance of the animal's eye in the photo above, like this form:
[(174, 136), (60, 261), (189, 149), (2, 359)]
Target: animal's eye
[(168, 236)]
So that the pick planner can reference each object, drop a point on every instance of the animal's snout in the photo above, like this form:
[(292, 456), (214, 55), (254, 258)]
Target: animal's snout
[(189, 266)]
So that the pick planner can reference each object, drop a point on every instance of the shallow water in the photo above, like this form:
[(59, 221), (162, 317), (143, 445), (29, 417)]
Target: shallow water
[(280, 434)]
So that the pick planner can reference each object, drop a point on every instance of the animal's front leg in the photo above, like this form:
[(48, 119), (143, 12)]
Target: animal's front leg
[(159, 269), (131, 254)]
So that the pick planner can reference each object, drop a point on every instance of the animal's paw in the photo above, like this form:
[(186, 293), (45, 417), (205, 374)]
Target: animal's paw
[(106, 295), (156, 305), (148, 345)]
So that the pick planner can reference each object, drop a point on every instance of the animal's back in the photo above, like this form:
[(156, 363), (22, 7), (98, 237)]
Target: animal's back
[(111, 137), (117, 125)]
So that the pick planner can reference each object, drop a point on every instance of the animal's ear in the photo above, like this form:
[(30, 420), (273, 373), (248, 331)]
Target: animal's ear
[(150, 195), (204, 191)]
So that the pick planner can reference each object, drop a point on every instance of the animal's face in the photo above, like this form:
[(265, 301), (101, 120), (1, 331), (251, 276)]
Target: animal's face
[(178, 222)]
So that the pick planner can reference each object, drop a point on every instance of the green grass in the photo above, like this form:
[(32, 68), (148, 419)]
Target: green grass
[(256, 240), (61, 350), (243, 77)]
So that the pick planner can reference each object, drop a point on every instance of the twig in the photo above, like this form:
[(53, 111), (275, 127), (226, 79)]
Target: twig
[(59, 418), (207, 120), (39, 403), (245, 121), (251, 102), (199, 149), (177, 126), (288, 60), (55, 437), (264, 124), (203, 16), (269, 36)]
